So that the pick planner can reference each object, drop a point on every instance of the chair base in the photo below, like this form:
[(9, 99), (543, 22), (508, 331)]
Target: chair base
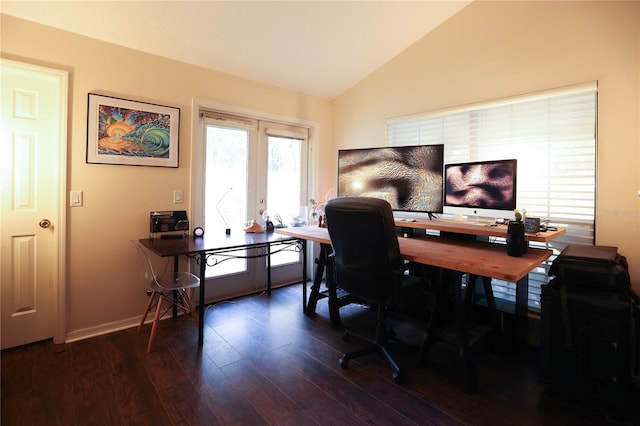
[(374, 347)]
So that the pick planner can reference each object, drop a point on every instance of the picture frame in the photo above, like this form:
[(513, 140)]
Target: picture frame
[(532, 225), (127, 132)]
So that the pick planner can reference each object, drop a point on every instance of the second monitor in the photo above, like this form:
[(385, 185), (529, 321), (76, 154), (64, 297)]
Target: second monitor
[(481, 188)]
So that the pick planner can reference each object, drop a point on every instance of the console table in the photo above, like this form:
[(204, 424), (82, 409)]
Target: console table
[(205, 251)]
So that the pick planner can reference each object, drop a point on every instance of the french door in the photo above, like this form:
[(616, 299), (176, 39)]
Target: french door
[(253, 170)]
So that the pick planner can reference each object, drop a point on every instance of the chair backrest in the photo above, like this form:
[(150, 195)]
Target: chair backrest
[(367, 255), (147, 273)]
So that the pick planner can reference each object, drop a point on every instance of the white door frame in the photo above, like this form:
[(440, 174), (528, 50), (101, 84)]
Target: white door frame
[(60, 281)]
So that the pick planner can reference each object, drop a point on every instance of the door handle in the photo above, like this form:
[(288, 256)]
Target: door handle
[(45, 223)]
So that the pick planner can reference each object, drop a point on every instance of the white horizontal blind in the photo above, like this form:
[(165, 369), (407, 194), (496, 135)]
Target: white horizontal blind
[(553, 137), (222, 119)]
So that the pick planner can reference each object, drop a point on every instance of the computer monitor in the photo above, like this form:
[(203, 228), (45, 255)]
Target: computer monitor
[(481, 189), (408, 177)]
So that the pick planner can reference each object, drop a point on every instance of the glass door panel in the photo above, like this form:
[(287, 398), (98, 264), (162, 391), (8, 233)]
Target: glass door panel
[(284, 162), (226, 183)]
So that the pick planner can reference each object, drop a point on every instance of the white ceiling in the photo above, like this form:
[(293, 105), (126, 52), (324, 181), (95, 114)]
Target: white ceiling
[(320, 48)]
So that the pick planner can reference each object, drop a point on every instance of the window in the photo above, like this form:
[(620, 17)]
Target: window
[(553, 137)]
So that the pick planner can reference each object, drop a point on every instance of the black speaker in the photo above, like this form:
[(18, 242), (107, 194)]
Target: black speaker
[(516, 243)]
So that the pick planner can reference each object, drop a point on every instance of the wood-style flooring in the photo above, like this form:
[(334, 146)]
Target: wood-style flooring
[(264, 362)]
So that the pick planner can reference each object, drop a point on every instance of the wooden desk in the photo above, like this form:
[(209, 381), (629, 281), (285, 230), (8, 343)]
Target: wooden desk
[(204, 251), (472, 257), (470, 227)]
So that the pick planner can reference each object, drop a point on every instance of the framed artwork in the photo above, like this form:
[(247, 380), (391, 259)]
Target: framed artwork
[(121, 131)]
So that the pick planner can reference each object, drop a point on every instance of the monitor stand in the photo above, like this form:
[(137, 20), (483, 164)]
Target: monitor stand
[(480, 220)]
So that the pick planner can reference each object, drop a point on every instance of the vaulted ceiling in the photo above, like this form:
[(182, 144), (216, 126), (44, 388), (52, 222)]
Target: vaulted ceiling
[(316, 47)]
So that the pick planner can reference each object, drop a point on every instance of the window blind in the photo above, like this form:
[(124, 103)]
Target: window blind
[(552, 134), (222, 119)]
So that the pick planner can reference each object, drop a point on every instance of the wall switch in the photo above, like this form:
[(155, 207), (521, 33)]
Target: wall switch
[(75, 199), (177, 196)]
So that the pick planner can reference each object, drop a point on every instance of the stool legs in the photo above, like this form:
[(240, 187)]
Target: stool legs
[(156, 318), (187, 299), (157, 297), (152, 298)]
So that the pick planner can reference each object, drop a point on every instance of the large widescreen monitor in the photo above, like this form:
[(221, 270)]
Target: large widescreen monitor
[(481, 188), (408, 177)]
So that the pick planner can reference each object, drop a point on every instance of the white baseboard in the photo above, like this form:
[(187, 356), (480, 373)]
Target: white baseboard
[(101, 329), (112, 327)]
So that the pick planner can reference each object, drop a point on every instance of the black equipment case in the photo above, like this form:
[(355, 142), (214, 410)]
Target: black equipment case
[(590, 326), (599, 267)]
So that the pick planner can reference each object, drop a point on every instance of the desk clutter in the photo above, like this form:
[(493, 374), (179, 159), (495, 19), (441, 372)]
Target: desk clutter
[(171, 224), (253, 227)]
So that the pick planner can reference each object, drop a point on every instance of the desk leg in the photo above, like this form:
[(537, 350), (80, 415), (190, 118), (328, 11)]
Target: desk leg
[(448, 284), (332, 288), (303, 244), (176, 265), (470, 294), (455, 280), (522, 308), (433, 322), (269, 269), (325, 266), (317, 281), (202, 262)]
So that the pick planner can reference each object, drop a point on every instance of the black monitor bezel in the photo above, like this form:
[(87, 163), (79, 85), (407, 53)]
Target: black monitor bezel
[(437, 210), (511, 207)]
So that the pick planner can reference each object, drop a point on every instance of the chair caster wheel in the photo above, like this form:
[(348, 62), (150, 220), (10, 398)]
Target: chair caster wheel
[(397, 377), (344, 363)]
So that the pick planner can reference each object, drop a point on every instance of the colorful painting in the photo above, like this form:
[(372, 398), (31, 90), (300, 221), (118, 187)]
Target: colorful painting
[(121, 131)]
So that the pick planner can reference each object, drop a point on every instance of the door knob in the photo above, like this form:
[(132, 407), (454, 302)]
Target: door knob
[(45, 223)]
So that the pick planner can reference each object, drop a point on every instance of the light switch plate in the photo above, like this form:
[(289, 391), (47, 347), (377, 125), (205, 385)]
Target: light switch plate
[(75, 199), (177, 196)]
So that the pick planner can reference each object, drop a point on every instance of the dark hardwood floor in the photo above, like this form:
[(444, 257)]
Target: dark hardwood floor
[(264, 362)]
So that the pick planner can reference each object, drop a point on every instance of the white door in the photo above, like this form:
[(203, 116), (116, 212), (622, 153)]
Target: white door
[(32, 185)]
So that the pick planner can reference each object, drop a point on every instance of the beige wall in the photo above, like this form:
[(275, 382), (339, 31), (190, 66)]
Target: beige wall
[(103, 289), (488, 51), (492, 50)]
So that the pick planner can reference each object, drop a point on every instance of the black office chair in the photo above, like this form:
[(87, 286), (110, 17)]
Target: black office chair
[(368, 265)]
